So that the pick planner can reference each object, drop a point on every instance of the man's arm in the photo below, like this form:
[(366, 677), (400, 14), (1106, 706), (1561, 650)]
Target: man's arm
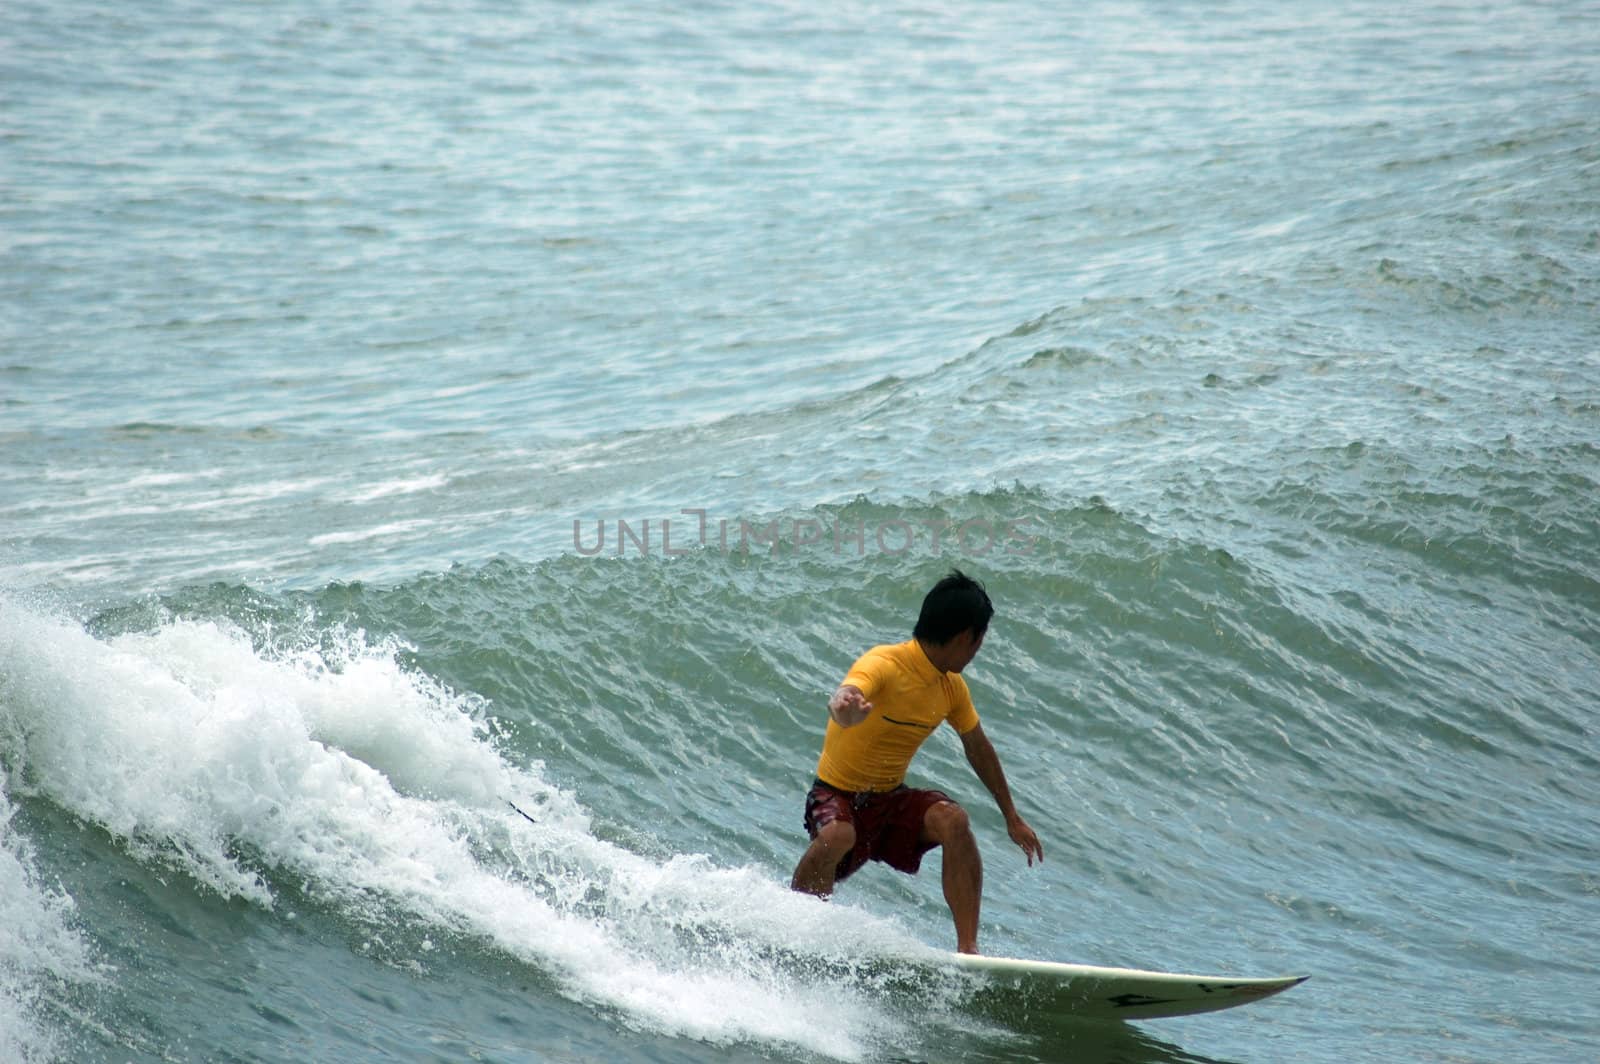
[(986, 763)]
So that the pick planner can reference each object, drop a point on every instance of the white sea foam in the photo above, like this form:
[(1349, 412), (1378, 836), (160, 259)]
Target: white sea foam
[(403, 486), (168, 479), (39, 945), (392, 528), (385, 793)]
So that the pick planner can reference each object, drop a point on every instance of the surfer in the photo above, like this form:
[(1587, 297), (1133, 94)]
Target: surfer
[(893, 697)]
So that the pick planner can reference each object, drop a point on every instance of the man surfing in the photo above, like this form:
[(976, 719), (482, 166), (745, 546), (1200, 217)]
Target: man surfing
[(859, 807)]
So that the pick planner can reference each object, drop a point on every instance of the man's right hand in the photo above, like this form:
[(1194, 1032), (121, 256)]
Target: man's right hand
[(849, 706)]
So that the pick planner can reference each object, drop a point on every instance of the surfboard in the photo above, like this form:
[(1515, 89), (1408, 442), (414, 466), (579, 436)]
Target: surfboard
[(1028, 990)]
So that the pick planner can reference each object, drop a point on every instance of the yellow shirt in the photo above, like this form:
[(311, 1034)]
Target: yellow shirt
[(910, 698)]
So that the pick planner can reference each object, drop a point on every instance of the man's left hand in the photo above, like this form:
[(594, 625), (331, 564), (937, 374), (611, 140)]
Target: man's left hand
[(1023, 836)]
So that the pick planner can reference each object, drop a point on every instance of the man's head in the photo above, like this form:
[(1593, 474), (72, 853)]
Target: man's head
[(955, 615)]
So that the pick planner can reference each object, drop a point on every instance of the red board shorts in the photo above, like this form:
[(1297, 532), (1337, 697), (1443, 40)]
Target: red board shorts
[(888, 824)]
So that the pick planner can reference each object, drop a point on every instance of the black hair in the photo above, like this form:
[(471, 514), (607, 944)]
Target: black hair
[(956, 603)]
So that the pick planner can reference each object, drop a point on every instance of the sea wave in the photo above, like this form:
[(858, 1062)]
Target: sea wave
[(1166, 694), (43, 953), (311, 764)]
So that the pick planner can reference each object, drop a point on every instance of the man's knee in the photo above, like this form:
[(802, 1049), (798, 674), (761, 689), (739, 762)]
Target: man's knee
[(945, 821), (837, 836)]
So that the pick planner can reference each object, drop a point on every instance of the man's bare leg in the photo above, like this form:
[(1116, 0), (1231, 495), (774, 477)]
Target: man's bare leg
[(814, 873), (946, 824)]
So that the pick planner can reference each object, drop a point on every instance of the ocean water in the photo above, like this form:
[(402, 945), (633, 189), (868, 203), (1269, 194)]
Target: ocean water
[(408, 410)]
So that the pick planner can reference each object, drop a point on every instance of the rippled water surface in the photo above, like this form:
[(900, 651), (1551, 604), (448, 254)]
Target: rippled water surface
[(410, 409)]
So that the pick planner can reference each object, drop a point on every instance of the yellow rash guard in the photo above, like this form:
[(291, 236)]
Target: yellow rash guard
[(910, 698)]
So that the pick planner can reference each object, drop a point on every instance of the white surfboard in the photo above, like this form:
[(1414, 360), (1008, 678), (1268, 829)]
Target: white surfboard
[(1025, 990)]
